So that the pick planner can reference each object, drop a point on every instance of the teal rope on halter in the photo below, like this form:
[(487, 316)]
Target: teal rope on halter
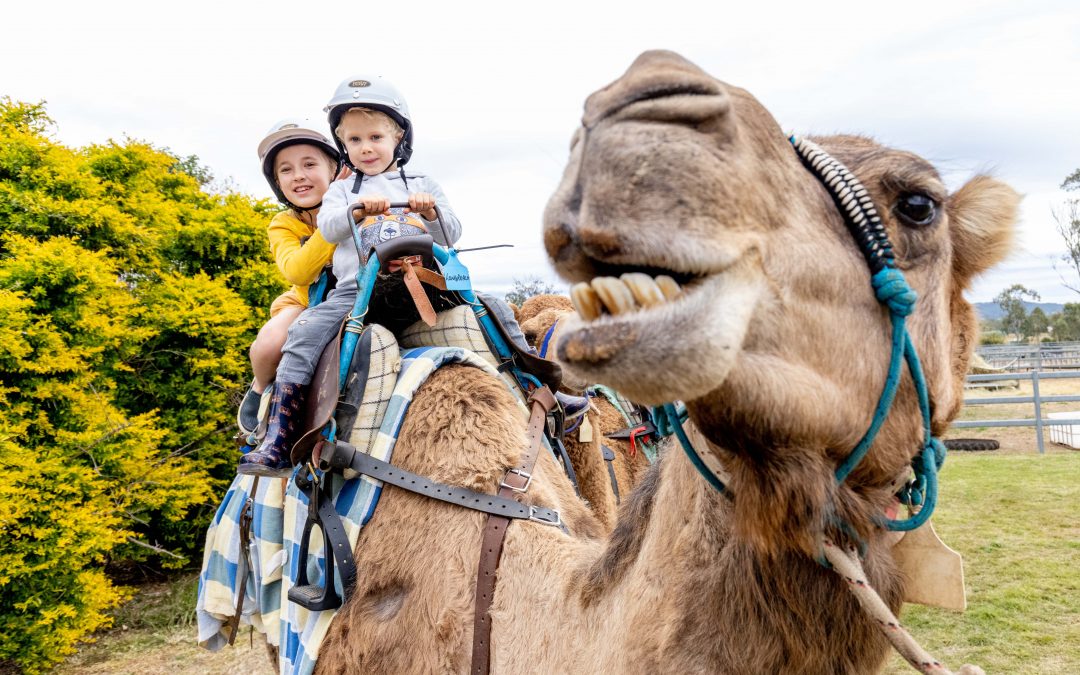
[(667, 421)]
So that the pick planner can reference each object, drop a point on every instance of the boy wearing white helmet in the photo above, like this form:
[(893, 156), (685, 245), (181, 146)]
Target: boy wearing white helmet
[(299, 163)]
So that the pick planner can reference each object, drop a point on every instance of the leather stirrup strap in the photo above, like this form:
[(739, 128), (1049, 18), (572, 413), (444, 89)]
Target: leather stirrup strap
[(246, 516), (516, 480)]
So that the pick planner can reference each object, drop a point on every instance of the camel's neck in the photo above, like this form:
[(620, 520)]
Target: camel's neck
[(681, 571)]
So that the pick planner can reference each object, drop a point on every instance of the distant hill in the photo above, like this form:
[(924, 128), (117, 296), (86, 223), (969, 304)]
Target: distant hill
[(991, 310)]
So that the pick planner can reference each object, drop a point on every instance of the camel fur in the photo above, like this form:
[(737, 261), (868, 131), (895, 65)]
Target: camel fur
[(779, 349)]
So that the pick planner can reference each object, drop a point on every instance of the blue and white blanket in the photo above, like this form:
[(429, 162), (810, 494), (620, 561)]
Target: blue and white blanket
[(280, 511)]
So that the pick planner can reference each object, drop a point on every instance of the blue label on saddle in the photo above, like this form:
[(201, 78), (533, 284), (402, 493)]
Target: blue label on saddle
[(456, 274)]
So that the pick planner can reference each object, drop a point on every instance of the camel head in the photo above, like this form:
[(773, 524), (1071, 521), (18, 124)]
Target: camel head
[(711, 266)]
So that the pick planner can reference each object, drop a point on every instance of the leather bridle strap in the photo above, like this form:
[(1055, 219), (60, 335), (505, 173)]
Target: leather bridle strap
[(245, 519), (515, 481)]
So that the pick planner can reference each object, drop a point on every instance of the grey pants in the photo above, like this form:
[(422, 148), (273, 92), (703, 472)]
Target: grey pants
[(317, 326), (309, 334), (506, 315)]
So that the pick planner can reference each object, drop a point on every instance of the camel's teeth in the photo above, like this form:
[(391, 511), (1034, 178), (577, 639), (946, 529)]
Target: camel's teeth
[(668, 286), (645, 290), (585, 301), (616, 297)]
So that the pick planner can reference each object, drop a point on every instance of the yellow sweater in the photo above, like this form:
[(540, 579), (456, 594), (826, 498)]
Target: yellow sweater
[(299, 261)]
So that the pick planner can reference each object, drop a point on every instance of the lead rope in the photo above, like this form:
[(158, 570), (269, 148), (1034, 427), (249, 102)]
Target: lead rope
[(847, 565)]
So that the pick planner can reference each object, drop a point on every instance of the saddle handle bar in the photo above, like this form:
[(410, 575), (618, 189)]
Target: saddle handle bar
[(438, 218)]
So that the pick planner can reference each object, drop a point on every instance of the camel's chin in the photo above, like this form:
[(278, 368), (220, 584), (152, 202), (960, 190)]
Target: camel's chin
[(678, 350)]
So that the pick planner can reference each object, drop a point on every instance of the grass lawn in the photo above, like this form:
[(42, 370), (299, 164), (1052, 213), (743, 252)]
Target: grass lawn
[(1014, 519), (1012, 516)]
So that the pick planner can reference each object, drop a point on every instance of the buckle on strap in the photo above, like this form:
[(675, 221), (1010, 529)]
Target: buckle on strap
[(545, 516), (521, 474)]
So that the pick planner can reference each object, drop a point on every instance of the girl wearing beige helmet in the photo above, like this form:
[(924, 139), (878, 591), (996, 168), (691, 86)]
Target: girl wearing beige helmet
[(299, 163)]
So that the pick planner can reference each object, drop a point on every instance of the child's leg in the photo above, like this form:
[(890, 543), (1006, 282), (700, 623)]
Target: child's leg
[(266, 350), (505, 314), (308, 336)]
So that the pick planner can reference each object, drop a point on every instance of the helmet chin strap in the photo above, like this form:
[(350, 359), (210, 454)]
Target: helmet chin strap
[(401, 171)]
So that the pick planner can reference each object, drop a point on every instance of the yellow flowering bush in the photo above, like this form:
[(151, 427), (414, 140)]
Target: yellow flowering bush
[(129, 292)]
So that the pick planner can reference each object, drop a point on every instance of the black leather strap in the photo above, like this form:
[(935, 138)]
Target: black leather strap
[(564, 458), (648, 430), (246, 515), (321, 512), (609, 457), (334, 530), (341, 455), (355, 385)]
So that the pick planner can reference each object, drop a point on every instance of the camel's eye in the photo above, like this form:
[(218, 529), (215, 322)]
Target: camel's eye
[(916, 209)]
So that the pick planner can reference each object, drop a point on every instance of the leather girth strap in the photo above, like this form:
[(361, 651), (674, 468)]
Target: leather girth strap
[(516, 480)]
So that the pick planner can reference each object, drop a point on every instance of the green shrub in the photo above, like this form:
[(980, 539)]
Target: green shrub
[(124, 325)]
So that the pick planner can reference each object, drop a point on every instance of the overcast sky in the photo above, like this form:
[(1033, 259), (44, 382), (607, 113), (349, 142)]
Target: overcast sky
[(496, 89)]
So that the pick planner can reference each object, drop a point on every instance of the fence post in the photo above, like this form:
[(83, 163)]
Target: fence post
[(1038, 409)]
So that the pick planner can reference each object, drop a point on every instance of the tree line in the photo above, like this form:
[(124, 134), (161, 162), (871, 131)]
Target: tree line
[(1018, 324)]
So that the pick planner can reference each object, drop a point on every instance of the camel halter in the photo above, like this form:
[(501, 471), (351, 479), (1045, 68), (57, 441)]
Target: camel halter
[(892, 290)]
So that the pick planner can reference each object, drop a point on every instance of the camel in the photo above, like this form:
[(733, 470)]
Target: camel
[(779, 348), (539, 317)]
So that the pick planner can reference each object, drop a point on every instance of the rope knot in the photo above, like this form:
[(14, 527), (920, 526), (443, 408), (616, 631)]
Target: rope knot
[(892, 289)]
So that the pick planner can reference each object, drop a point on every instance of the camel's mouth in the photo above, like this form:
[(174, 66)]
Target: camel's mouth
[(622, 290), (657, 334)]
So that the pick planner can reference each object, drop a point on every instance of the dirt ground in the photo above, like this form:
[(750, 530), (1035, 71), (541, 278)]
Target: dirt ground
[(168, 652)]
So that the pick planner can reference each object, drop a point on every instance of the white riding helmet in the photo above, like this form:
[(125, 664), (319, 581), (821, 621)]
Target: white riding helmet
[(377, 94), (291, 132)]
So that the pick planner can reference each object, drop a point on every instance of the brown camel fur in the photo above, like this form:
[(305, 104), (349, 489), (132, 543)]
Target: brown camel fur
[(779, 349), (536, 316)]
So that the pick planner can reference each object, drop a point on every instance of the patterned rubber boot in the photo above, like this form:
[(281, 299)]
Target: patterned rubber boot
[(573, 406), (271, 458)]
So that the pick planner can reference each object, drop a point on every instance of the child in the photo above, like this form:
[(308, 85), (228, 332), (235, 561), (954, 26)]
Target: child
[(299, 164), (372, 127), (373, 130)]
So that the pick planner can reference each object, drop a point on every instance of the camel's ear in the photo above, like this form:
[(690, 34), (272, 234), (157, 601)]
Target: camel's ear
[(517, 311), (982, 221)]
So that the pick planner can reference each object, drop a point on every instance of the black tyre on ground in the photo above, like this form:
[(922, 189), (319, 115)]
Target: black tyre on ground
[(971, 444)]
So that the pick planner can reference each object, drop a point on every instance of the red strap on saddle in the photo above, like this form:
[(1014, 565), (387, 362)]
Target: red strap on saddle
[(634, 433)]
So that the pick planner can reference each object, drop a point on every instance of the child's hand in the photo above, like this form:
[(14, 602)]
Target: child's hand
[(424, 204), (372, 205)]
